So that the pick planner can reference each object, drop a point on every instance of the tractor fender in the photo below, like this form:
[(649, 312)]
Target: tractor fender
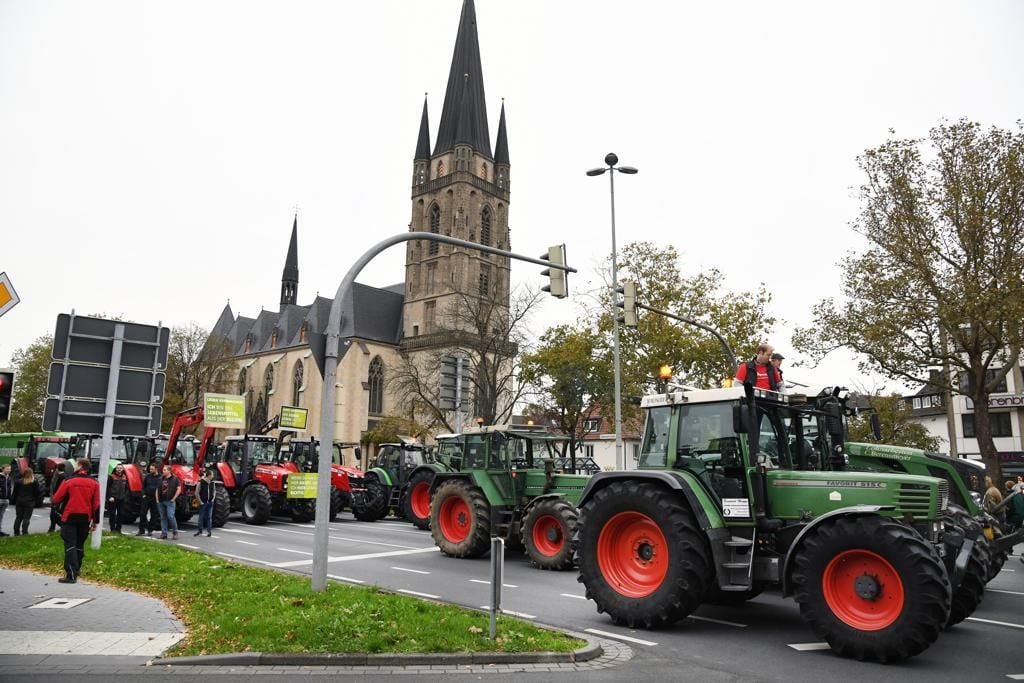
[(134, 477), (542, 497), (851, 511), (227, 475), (422, 468), (382, 475), (441, 477), (703, 506)]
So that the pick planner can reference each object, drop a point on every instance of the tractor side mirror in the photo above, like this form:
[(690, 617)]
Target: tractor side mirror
[(359, 453), (739, 418), (876, 426)]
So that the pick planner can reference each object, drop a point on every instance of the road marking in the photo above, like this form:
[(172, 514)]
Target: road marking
[(619, 636), (488, 583), (354, 540), (521, 615), (344, 578), (245, 559), (570, 595), (997, 623), (718, 621), (994, 590), (238, 540), (1015, 677), (190, 547), (297, 552), (350, 558), (420, 595), (414, 571), (808, 647), (239, 531)]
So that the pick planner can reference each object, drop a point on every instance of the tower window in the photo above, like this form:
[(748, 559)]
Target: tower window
[(435, 227), (376, 382), (428, 316), (485, 226), (431, 277), (485, 279)]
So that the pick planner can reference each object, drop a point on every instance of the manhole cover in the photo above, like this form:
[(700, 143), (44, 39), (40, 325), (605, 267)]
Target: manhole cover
[(60, 603)]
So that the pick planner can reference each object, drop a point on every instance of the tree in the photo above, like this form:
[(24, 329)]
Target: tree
[(941, 282), (390, 429), (567, 379), (31, 367), (487, 330), (196, 364), (897, 428)]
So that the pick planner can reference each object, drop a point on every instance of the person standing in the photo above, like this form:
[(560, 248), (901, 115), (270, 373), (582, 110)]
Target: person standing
[(24, 500), (992, 499), (117, 493), (65, 470), (80, 494), (150, 485), (759, 371), (167, 497), (6, 492), (206, 492)]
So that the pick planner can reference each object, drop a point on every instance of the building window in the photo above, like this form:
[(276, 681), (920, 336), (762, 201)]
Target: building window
[(259, 413), (588, 451), (376, 381), (967, 383), (1000, 423), (440, 169), (241, 381), (435, 227), (485, 226), (591, 425), (485, 279), (298, 379), (431, 277), (428, 316)]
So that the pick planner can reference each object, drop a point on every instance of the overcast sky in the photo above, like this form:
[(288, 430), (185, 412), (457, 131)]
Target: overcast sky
[(152, 154)]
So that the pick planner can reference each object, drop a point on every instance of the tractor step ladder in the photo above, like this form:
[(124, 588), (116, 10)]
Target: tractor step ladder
[(739, 563), (502, 521)]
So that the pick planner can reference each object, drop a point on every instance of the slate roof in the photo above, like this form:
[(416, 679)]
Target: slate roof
[(464, 96)]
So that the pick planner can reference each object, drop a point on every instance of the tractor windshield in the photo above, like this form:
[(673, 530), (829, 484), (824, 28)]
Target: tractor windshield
[(184, 451), (51, 449), (706, 434), (262, 452), (654, 452)]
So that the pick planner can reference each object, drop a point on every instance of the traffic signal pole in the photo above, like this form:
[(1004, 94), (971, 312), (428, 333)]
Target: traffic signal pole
[(329, 397)]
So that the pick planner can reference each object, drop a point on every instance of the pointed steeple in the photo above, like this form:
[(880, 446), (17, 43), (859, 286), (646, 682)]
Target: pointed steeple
[(464, 131), (423, 143), (290, 276), (501, 144), (465, 82)]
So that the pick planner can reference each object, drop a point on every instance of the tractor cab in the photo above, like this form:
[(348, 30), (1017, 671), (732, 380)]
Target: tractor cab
[(244, 455), (91, 446), (184, 451), (399, 459), (43, 453)]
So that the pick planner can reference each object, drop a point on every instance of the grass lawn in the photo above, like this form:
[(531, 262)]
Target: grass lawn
[(229, 607)]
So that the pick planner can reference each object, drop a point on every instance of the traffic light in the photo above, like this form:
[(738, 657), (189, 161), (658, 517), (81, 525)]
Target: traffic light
[(454, 383), (558, 285), (628, 303), (6, 393)]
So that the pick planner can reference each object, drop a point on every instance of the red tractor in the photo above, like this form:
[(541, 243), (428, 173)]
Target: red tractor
[(45, 455), (257, 482), (347, 485), (186, 463), (134, 452)]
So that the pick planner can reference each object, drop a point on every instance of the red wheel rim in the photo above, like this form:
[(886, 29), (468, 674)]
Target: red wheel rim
[(547, 534), (419, 500), (455, 519), (863, 590), (632, 554)]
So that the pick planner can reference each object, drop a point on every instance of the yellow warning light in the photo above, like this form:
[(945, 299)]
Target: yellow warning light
[(529, 423), (665, 372), (727, 383)]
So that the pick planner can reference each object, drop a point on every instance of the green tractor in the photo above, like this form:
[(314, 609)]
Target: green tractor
[(398, 478), (730, 498), (504, 484)]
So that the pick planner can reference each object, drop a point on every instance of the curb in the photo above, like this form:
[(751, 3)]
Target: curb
[(592, 650)]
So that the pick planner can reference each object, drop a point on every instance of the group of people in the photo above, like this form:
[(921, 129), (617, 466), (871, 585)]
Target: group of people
[(1008, 508), (763, 371), (19, 491)]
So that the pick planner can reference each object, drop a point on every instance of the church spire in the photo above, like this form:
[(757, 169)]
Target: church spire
[(423, 143), (290, 276), (465, 82), (501, 144)]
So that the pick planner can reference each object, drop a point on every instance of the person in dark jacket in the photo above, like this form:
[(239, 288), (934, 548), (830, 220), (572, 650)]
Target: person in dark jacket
[(80, 494), (167, 497), (206, 491), (24, 500), (6, 491), (150, 484), (117, 493), (65, 470)]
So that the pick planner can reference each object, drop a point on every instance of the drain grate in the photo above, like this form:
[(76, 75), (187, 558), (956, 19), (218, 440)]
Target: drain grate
[(59, 603)]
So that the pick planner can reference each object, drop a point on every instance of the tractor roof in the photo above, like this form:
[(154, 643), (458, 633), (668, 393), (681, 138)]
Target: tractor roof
[(708, 396)]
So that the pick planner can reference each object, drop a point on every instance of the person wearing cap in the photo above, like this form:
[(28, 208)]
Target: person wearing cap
[(759, 371)]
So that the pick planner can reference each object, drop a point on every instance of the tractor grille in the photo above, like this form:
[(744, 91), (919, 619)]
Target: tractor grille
[(915, 499), (943, 495)]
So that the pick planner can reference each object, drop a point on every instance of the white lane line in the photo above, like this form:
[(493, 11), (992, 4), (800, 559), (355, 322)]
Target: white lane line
[(808, 647), (414, 571), (303, 526), (354, 540), (239, 531), (297, 552), (238, 540), (619, 636), (571, 595), (350, 558), (344, 578), (995, 590), (521, 615), (245, 559), (718, 621), (488, 583), (1015, 677), (420, 595), (997, 623), (190, 547), (1004, 569)]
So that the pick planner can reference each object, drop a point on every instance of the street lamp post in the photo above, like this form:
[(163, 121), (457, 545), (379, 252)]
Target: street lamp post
[(611, 159)]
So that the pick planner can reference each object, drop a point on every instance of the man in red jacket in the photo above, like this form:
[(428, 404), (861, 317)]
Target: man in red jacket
[(80, 516)]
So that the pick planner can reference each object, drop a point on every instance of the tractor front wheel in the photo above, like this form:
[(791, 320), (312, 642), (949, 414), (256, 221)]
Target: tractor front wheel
[(643, 559), (256, 504), (460, 519), (872, 588), (548, 531), (303, 511), (375, 502), (336, 505), (416, 505), (221, 507)]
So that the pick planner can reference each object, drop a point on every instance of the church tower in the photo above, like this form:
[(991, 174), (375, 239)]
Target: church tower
[(460, 189), (290, 276)]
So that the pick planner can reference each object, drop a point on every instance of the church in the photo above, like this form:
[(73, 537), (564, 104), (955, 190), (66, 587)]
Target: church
[(460, 188)]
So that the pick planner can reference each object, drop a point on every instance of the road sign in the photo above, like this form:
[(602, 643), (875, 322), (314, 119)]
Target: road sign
[(81, 378), (8, 297), (293, 419), (224, 410)]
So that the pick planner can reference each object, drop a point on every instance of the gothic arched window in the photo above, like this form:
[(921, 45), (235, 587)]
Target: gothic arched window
[(435, 227), (376, 382), (298, 377), (485, 226)]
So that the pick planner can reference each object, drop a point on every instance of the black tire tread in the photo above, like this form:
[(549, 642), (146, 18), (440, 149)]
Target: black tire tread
[(262, 504), (418, 478), (478, 542), (568, 515)]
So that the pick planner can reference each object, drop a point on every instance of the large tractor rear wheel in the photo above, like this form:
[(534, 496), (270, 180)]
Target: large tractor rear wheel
[(642, 557), (182, 509), (967, 596), (336, 505), (871, 587), (375, 502), (548, 531), (221, 507), (256, 504), (460, 520), (41, 490), (417, 499)]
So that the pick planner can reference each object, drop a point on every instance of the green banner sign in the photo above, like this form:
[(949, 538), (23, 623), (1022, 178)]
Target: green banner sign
[(293, 419), (224, 410), (302, 485)]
